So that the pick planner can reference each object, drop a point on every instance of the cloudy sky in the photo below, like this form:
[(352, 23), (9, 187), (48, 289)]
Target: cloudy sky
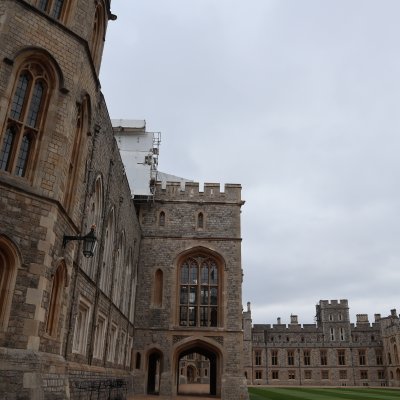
[(297, 100)]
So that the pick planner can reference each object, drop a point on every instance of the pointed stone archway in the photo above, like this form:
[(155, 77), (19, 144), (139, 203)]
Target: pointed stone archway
[(214, 356)]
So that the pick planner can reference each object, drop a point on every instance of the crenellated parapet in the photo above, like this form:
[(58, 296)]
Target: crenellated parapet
[(334, 303), (190, 191), (285, 328)]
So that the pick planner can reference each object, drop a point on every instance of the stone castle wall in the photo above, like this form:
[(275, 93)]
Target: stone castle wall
[(34, 215), (291, 354)]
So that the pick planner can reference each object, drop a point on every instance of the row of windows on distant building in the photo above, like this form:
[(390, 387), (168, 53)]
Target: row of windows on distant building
[(332, 337), (320, 374), (310, 357)]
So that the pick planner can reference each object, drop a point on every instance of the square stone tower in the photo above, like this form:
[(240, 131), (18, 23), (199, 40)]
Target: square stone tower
[(189, 289)]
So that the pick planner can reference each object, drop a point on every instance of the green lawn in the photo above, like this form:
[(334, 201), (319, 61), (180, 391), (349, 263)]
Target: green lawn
[(323, 394)]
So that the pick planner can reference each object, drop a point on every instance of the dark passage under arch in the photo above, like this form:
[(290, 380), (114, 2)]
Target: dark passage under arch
[(211, 370), (154, 373)]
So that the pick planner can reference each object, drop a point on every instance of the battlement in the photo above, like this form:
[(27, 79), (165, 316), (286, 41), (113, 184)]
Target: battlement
[(190, 191), (333, 303), (284, 328), (362, 319)]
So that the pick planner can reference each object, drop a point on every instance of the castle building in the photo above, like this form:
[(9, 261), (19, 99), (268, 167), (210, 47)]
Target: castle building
[(165, 279), (332, 352), (194, 368)]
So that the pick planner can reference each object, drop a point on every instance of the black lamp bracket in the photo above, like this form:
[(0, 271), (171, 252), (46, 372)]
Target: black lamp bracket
[(89, 242), (66, 239)]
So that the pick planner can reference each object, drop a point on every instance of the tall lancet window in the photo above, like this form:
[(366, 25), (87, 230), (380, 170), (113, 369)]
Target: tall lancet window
[(25, 121), (199, 292)]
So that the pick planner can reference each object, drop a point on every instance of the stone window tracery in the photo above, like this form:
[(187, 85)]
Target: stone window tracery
[(26, 118), (198, 293)]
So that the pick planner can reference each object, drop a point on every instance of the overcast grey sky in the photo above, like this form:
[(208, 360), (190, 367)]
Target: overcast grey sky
[(298, 101)]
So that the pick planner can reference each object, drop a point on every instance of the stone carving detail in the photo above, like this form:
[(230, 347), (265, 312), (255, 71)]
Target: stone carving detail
[(178, 338)]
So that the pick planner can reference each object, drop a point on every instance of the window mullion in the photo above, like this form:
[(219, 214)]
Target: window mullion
[(15, 148)]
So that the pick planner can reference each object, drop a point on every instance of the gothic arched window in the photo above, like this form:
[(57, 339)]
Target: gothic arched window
[(82, 126), (106, 265), (98, 33), (8, 271), (198, 292), (26, 118)]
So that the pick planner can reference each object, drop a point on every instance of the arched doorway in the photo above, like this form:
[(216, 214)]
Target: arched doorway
[(154, 369), (191, 374), (201, 363)]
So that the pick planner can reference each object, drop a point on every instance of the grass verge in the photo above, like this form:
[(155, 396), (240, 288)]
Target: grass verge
[(292, 393)]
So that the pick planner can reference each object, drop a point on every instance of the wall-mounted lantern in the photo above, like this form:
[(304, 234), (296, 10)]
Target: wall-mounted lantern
[(89, 242)]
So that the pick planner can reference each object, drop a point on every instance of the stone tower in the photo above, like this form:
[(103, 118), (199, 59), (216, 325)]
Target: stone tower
[(333, 317), (189, 288)]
